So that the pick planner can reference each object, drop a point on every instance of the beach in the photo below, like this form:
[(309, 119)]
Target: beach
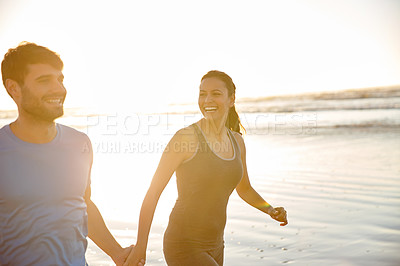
[(340, 186), (336, 172)]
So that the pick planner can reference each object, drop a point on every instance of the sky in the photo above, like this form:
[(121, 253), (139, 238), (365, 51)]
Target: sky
[(142, 55)]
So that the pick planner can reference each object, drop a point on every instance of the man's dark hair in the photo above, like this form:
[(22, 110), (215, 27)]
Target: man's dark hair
[(16, 60)]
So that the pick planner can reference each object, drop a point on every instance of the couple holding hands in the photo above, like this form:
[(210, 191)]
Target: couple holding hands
[(45, 208)]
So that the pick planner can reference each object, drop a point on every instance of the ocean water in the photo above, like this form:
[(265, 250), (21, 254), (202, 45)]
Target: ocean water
[(335, 169)]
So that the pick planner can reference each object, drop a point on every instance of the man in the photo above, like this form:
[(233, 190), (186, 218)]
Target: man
[(45, 208)]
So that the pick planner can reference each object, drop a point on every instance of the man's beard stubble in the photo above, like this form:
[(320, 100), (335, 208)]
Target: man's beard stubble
[(36, 107)]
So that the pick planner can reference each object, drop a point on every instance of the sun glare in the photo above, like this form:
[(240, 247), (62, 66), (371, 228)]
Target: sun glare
[(142, 58)]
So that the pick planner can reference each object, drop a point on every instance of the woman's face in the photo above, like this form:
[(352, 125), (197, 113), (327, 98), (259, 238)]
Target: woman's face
[(214, 101)]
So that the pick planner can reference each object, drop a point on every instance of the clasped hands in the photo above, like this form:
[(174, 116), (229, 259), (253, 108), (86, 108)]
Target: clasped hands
[(127, 257)]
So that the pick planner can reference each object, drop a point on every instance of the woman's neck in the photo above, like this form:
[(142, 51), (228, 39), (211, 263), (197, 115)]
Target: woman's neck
[(213, 129)]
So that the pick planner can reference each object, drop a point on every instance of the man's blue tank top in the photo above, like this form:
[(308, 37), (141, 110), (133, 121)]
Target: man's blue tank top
[(43, 218)]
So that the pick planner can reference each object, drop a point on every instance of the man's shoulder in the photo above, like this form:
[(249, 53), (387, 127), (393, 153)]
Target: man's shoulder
[(3, 128), (4, 136), (71, 131), (71, 134), (73, 139)]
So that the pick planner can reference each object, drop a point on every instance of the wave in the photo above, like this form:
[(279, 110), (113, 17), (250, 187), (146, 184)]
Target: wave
[(299, 105), (311, 120), (357, 99), (373, 92)]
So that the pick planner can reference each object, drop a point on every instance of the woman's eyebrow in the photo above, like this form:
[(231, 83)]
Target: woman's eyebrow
[(218, 89)]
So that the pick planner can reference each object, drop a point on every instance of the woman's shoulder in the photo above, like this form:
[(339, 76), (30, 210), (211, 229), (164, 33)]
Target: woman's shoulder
[(186, 134), (237, 136), (239, 139), (184, 142)]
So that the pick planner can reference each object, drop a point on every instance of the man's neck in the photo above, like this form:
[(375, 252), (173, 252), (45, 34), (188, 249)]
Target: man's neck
[(33, 130)]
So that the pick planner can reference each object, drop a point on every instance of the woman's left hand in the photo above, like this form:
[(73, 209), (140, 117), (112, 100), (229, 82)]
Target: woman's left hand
[(279, 214)]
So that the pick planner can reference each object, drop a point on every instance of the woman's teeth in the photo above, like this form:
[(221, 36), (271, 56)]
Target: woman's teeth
[(210, 109)]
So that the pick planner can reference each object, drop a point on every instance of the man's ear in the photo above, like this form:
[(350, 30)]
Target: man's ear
[(13, 88)]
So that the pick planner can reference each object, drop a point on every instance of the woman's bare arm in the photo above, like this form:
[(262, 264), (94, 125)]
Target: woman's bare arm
[(174, 154), (250, 196)]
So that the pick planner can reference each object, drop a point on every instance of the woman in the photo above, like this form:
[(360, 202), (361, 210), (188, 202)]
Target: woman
[(209, 158)]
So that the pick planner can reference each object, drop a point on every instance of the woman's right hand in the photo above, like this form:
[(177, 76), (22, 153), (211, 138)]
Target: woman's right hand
[(137, 257)]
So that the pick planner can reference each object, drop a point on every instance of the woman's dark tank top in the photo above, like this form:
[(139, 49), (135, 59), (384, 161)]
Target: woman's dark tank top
[(205, 182)]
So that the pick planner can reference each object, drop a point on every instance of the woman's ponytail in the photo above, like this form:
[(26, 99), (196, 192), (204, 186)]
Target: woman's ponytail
[(233, 120)]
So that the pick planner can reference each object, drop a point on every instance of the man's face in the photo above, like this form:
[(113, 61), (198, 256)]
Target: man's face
[(43, 92)]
